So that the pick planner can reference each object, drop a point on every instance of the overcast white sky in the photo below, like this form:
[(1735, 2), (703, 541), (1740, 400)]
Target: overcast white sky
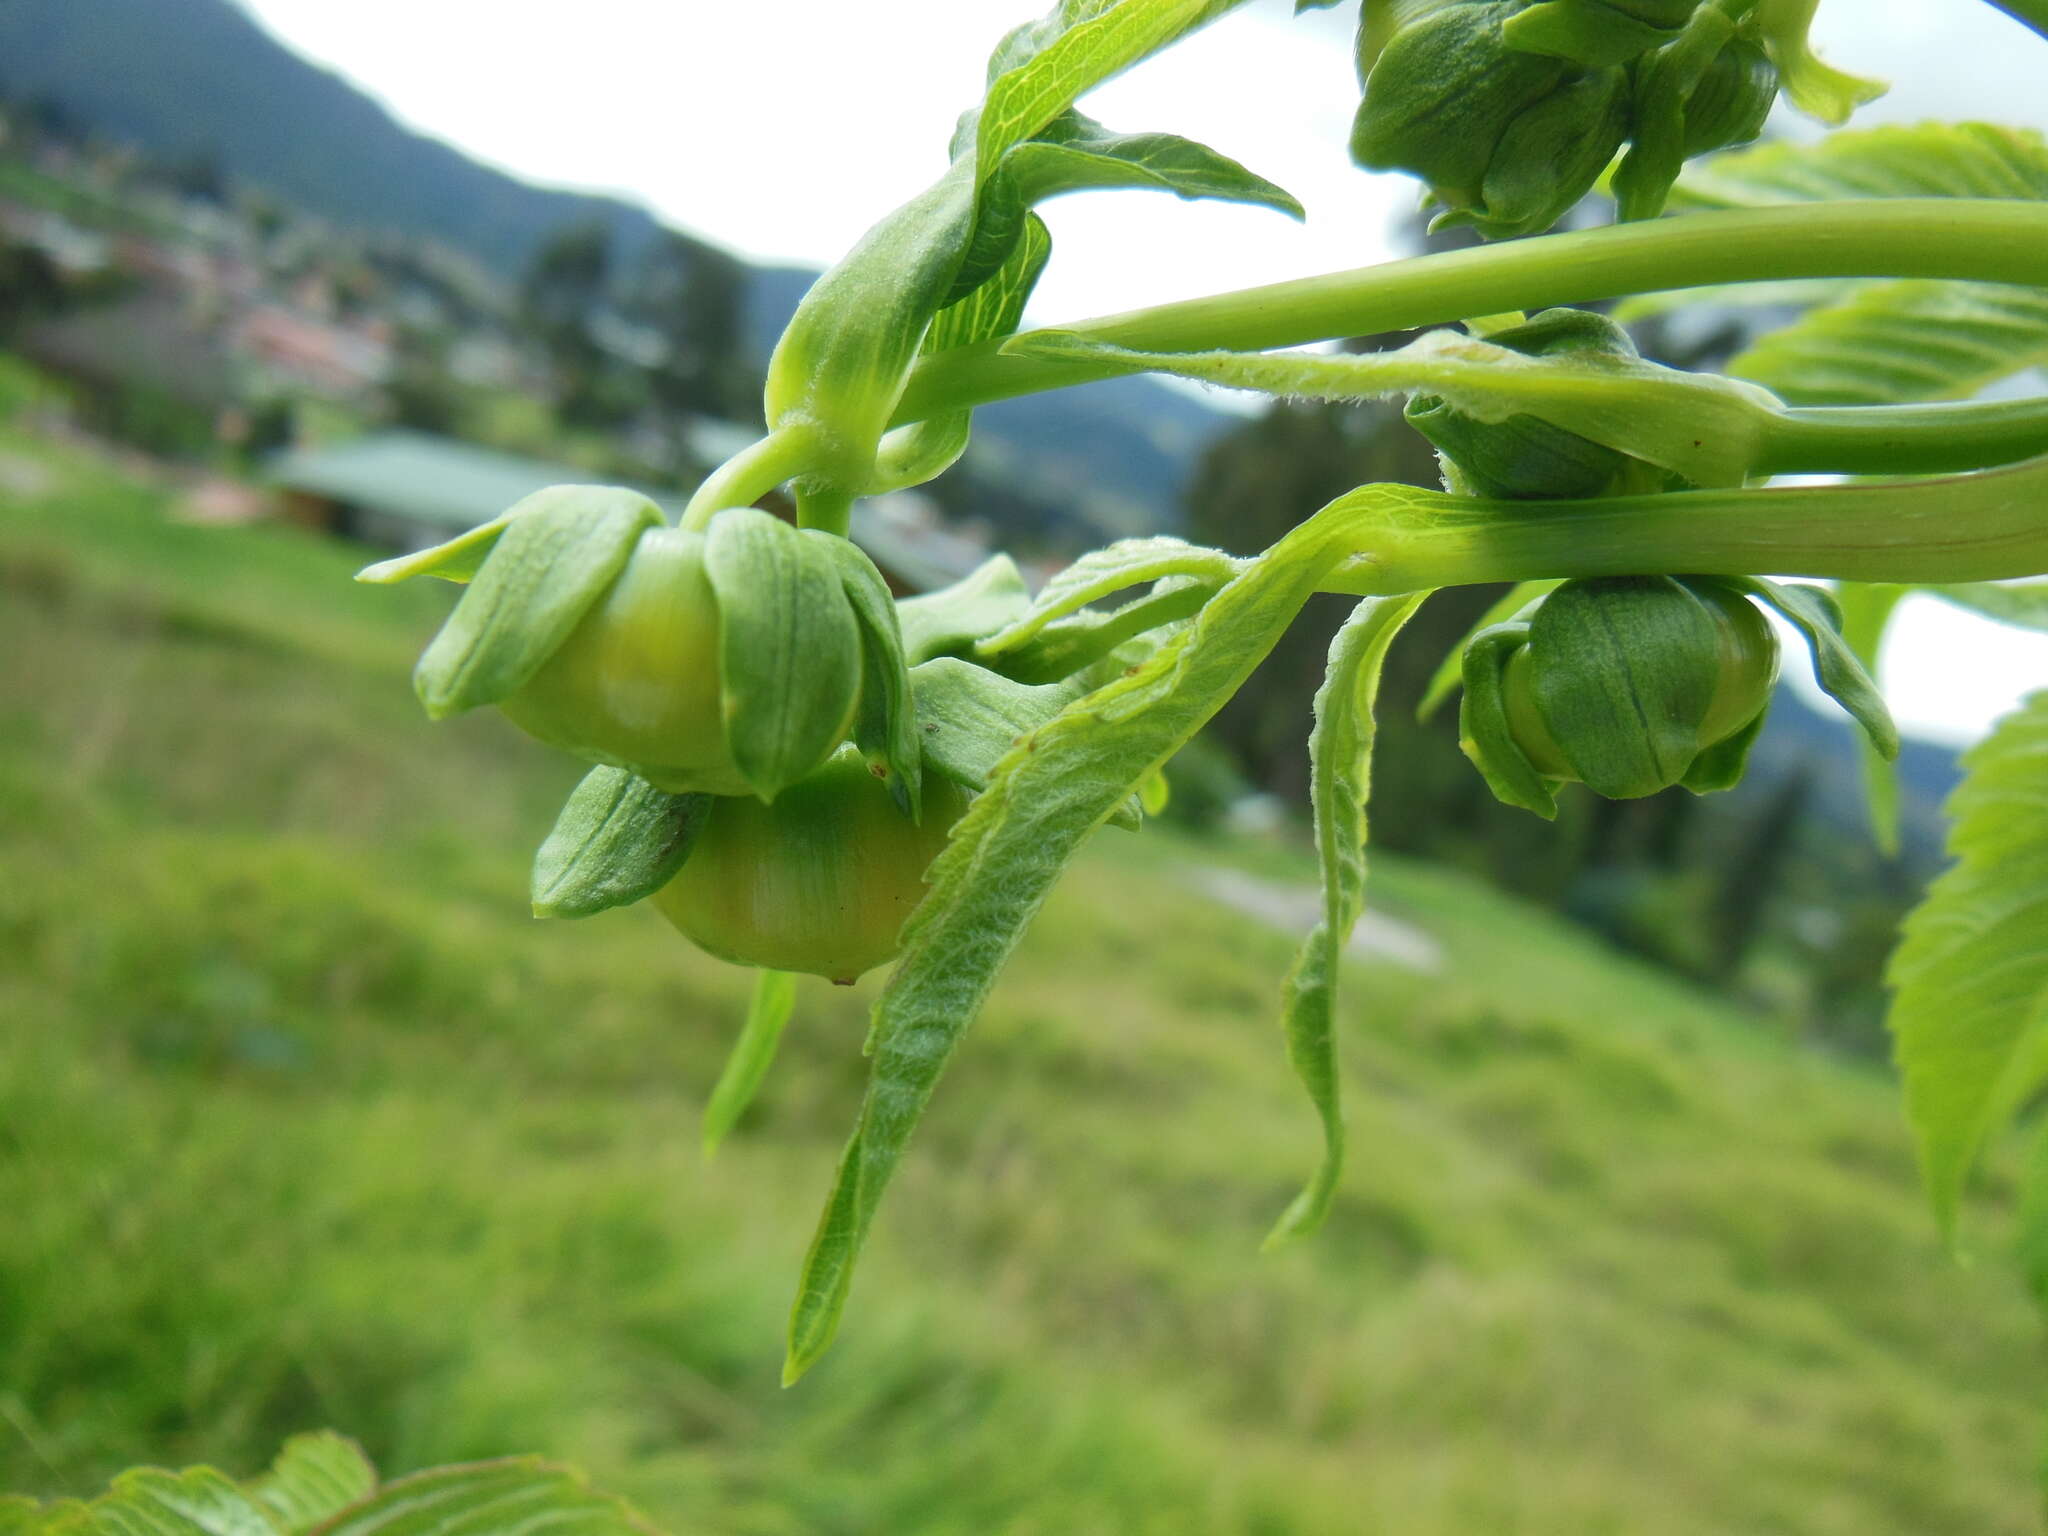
[(783, 128)]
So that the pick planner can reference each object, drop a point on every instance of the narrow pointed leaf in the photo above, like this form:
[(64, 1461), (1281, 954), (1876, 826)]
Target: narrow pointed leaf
[(559, 550), (314, 1478), (1836, 667), (1073, 153), (1059, 784), (1969, 1017), (1102, 573), (1702, 426), (457, 560), (617, 840), (1043, 68), (1081, 640), (885, 729), (953, 619), (1340, 758), (489, 1498), (1449, 674), (789, 654), (752, 1055), (1867, 609)]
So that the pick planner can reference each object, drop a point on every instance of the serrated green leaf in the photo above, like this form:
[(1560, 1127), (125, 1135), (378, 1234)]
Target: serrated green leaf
[(617, 841), (1073, 153), (1042, 69), (789, 647), (753, 1053), (151, 1502), (314, 1478), (1969, 1017), (492, 1498), (885, 729), (1701, 426), (1059, 784), (2023, 604), (1867, 609), (1449, 674), (1104, 572), (559, 550), (1340, 766), (1890, 342), (1894, 343), (1836, 667), (954, 619)]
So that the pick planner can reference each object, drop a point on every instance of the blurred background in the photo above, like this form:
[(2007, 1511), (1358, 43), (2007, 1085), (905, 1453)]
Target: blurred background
[(303, 1122)]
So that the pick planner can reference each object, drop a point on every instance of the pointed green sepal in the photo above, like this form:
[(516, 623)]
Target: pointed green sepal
[(1722, 765), (558, 551), (885, 729), (457, 560), (789, 648), (1484, 732), (1815, 614), (618, 840)]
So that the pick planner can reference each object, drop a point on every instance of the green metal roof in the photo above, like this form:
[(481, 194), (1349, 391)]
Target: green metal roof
[(434, 481)]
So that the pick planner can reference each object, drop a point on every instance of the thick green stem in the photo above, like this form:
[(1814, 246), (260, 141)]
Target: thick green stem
[(1903, 439), (1989, 526), (1989, 240), (749, 475), (824, 507)]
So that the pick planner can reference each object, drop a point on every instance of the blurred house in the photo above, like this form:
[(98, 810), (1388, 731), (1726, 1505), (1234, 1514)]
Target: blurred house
[(406, 491)]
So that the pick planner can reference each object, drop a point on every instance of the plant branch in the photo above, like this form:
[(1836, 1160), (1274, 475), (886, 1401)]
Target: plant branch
[(1989, 240), (1903, 439), (749, 475), (1988, 526)]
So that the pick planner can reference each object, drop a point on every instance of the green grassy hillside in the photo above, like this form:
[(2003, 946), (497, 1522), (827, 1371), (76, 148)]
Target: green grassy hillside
[(304, 1122)]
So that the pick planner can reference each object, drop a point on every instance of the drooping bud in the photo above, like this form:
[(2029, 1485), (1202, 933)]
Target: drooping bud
[(1510, 109), (1628, 684), (726, 662), (1506, 139), (1525, 458)]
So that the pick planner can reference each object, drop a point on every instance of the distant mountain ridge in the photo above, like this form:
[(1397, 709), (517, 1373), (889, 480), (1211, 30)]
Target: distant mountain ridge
[(185, 78)]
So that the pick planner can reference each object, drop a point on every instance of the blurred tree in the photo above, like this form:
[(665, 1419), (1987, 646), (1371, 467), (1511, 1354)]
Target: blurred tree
[(694, 296), (559, 301)]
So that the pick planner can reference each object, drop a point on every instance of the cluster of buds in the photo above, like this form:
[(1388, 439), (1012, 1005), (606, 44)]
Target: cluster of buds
[(1510, 110)]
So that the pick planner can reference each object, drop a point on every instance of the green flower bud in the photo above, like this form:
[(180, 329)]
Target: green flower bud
[(1505, 138), (1628, 684), (725, 662), (819, 882), (1709, 88), (1526, 458), (636, 683)]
